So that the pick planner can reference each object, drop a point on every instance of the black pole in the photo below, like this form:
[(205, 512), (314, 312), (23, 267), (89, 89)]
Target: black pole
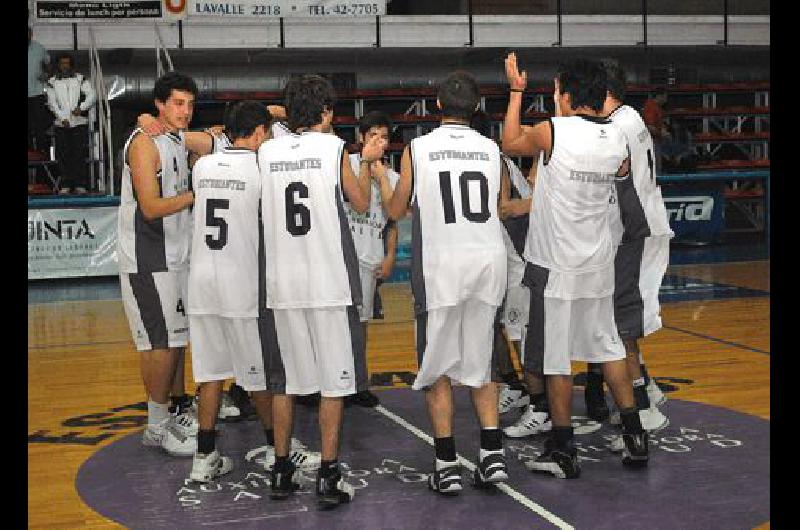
[(180, 34), (558, 21), (74, 37), (644, 22), (377, 31), (283, 41), (725, 22), (469, 14)]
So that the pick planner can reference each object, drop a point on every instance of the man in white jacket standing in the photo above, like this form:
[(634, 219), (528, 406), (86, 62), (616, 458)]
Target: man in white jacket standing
[(70, 96)]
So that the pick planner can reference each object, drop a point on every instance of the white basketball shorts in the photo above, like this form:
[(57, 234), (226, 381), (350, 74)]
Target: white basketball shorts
[(455, 341), (155, 305)]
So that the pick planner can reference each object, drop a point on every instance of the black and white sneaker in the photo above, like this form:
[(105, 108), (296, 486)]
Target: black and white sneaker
[(333, 490), (446, 480), (491, 469), (562, 463), (282, 484), (635, 452)]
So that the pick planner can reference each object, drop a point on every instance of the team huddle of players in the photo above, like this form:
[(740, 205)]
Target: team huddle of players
[(285, 234)]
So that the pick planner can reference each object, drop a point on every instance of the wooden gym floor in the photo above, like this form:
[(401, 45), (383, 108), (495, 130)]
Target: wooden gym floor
[(83, 372)]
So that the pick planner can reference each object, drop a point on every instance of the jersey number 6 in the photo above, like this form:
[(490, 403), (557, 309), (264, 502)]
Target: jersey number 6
[(298, 216), (466, 177)]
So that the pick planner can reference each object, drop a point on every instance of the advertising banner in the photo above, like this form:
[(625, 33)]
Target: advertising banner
[(68, 242), (60, 11), (697, 214), (259, 9)]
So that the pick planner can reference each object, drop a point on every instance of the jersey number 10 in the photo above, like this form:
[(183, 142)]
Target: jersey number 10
[(482, 215)]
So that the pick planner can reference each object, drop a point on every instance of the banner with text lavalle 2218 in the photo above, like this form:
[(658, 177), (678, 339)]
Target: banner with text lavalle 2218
[(320, 9)]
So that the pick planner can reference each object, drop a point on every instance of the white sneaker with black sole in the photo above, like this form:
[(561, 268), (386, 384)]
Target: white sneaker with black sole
[(531, 422), (512, 399), (207, 467)]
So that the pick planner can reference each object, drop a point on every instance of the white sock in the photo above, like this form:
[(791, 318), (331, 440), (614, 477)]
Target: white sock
[(638, 382), (156, 412), (444, 463)]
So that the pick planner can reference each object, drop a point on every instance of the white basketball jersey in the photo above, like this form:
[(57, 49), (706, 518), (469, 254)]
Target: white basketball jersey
[(457, 242), (367, 228), (162, 244), (306, 236), (223, 277), (570, 230), (640, 198), (279, 129)]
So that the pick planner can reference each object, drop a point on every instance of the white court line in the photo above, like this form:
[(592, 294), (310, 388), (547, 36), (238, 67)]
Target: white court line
[(508, 490)]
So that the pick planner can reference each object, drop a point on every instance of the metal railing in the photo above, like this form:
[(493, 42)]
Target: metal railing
[(102, 138)]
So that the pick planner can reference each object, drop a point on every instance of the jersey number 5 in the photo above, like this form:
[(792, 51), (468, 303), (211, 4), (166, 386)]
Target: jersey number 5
[(212, 220), (482, 215), (298, 216)]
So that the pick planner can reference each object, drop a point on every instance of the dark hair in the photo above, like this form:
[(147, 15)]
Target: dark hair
[(372, 119), (585, 82), (244, 117), (615, 82), (173, 81), (65, 55), (306, 97), (480, 122), (459, 95)]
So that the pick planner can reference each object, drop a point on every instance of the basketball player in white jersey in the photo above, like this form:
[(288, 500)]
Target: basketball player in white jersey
[(642, 232), (452, 176), (235, 403), (154, 230), (570, 255), (367, 230), (312, 283)]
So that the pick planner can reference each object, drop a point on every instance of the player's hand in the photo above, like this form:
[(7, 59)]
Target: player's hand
[(216, 130), (377, 170), (373, 149), (150, 125), (65, 123), (76, 112), (384, 270), (516, 80), (557, 96)]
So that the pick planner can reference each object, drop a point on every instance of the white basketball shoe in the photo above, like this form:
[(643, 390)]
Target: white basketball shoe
[(531, 422), (207, 467)]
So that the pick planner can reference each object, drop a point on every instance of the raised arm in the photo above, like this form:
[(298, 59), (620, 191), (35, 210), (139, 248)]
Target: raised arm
[(144, 162), (358, 189), (398, 205), (278, 112), (516, 137), (380, 173)]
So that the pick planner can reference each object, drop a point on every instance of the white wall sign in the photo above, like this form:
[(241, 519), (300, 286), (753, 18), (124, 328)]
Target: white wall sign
[(67, 242), (319, 9)]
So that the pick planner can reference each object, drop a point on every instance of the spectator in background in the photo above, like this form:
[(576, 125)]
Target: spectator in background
[(70, 96), (39, 118), (653, 116)]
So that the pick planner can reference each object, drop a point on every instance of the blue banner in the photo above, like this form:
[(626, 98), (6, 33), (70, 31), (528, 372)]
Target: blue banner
[(695, 214)]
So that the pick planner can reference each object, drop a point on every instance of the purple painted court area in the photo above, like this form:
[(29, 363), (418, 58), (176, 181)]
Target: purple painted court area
[(708, 469)]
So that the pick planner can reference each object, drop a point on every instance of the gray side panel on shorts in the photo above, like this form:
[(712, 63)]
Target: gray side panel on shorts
[(358, 342), (349, 251), (422, 336), (535, 278), (145, 292), (151, 254), (274, 371), (417, 278), (628, 303), (634, 220)]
